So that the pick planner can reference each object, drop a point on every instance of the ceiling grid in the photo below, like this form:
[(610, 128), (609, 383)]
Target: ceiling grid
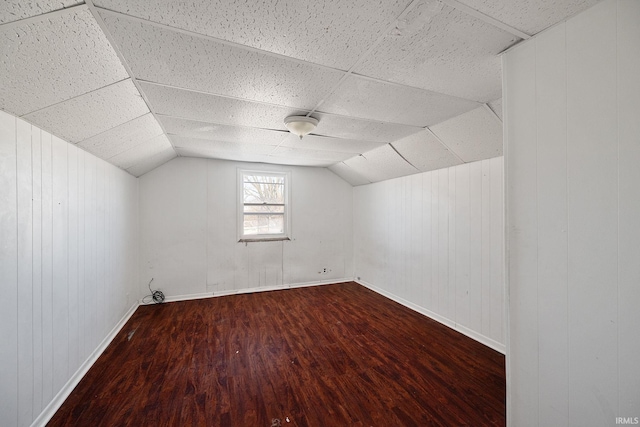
[(398, 86)]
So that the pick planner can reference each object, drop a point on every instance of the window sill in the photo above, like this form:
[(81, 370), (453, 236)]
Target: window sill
[(264, 239)]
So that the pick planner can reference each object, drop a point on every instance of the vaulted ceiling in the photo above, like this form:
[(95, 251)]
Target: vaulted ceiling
[(398, 86)]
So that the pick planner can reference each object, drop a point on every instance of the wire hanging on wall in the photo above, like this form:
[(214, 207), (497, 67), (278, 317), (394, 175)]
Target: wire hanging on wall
[(156, 297)]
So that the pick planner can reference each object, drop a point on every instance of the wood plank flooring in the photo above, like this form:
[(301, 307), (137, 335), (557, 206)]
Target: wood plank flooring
[(333, 355)]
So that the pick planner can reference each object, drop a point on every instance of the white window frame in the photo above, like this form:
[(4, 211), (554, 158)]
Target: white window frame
[(286, 235)]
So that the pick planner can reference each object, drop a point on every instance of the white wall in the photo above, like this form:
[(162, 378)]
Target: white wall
[(434, 241), (68, 262), (573, 207), (189, 242)]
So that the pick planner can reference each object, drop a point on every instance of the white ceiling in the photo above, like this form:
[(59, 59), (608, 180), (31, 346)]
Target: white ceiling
[(399, 86)]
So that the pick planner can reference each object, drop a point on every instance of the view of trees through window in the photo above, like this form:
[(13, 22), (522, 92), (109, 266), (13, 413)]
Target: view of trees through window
[(264, 204)]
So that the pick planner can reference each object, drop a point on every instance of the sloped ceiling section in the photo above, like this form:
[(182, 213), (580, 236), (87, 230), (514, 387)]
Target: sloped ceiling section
[(399, 86)]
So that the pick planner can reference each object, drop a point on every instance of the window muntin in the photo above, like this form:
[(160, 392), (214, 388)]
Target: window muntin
[(263, 205)]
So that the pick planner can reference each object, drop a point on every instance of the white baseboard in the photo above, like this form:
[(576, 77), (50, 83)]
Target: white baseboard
[(441, 319), (188, 297), (53, 406)]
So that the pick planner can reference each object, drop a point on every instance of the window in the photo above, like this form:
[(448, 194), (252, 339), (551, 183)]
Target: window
[(264, 205)]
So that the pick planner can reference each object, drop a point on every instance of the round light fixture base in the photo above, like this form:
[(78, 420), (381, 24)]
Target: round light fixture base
[(300, 125)]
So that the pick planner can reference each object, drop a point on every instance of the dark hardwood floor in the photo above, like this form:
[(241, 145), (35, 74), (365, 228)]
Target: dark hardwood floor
[(334, 355)]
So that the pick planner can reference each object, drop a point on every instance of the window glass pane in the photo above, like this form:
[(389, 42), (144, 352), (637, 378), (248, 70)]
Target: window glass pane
[(263, 224), (263, 189)]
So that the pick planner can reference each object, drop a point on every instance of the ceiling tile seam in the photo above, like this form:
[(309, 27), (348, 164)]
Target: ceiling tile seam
[(43, 16), (362, 57), (55, 104), (403, 157), (487, 107), (115, 127), (116, 48), (486, 18), (216, 39), (444, 145), (301, 110)]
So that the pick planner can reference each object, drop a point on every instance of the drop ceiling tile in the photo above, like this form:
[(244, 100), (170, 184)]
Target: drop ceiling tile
[(222, 155), (380, 164), (496, 107), (14, 10), (293, 153), (476, 135), (122, 138), (164, 56), (359, 129), (87, 115), (149, 163), (371, 99), (326, 143), (444, 50), (212, 147), (215, 109), (529, 16), (299, 161), (333, 32), (425, 152), (348, 174), (216, 132), (46, 62), (141, 152)]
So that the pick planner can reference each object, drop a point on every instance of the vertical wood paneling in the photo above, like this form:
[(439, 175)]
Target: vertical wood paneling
[(435, 242), (43, 244), (475, 245), (451, 259), (24, 193), (90, 244), (414, 233), (551, 101), (497, 250), (60, 296), (444, 210), (72, 257), (522, 228), (462, 245), (82, 303), (450, 264), (587, 151), (427, 253), (486, 249), (628, 93), (592, 215), (99, 290), (8, 271), (47, 271), (36, 156)]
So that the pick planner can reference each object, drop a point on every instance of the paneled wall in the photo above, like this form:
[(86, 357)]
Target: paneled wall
[(68, 262), (434, 241), (189, 242), (573, 207)]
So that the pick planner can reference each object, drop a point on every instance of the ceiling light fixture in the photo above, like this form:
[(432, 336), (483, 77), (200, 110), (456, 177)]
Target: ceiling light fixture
[(300, 125)]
